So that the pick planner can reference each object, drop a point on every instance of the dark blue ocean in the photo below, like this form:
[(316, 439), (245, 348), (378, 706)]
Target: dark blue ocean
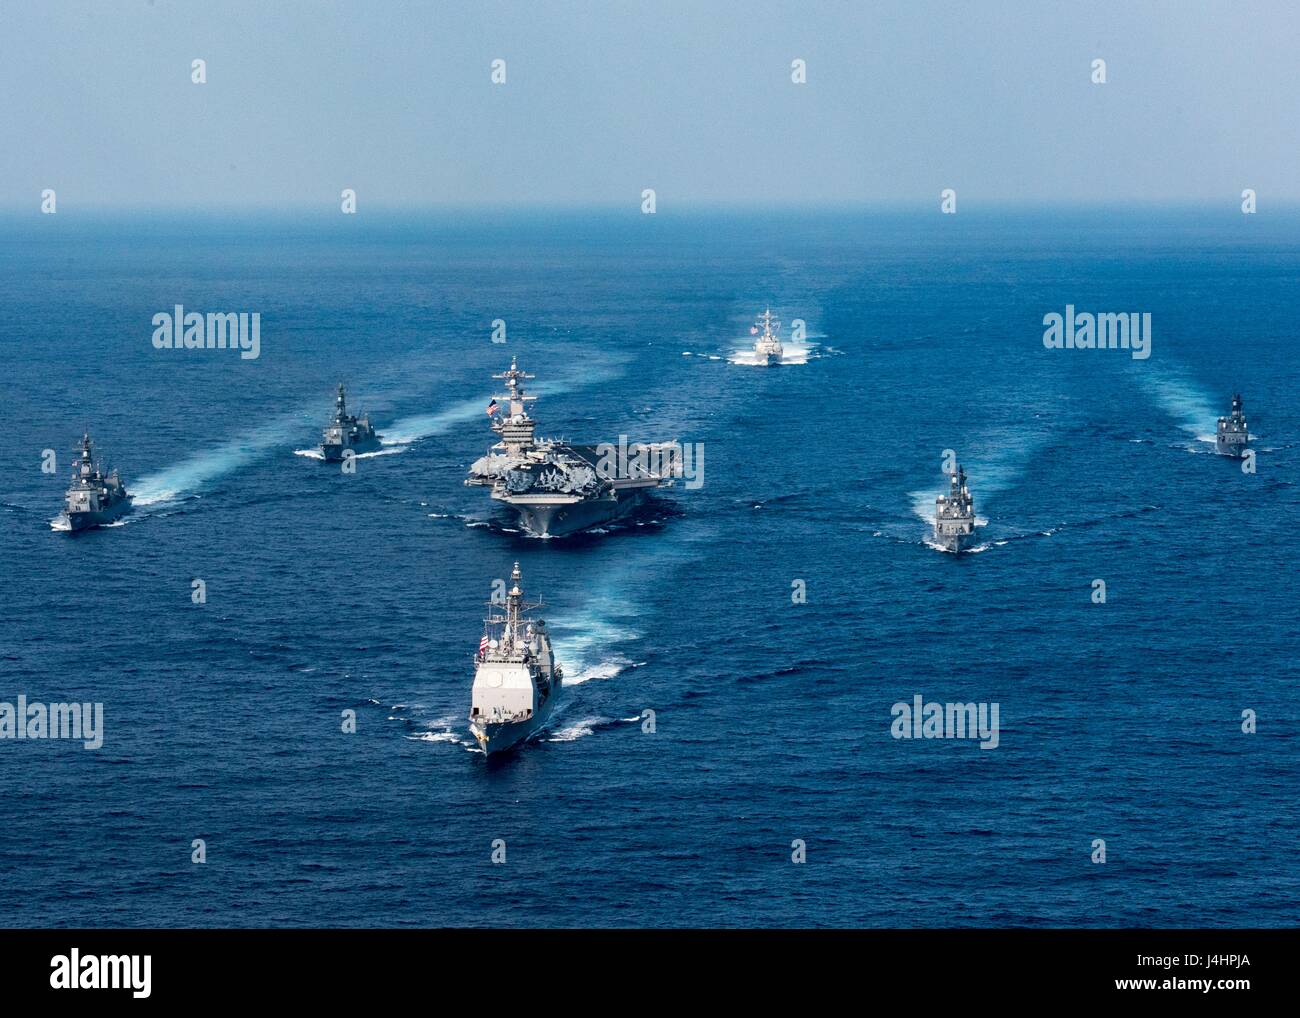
[(1119, 721)]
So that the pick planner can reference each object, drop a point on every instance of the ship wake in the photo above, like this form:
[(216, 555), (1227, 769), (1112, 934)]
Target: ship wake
[(420, 426), (585, 647), (172, 483), (1186, 403)]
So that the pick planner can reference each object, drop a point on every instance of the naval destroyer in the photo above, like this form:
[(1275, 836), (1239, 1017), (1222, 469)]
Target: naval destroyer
[(94, 498), (347, 433), (767, 346), (559, 488), (1233, 434), (954, 515), (516, 677)]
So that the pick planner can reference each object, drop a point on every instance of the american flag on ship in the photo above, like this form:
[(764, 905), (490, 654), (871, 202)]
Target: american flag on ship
[(482, 645), (492, 408)]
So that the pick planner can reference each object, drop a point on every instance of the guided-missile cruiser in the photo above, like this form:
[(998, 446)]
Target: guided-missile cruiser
[(767, 346), (559, 488), (1233, 433), (94, 498), (954, 515), (346, 433), (516, 677)]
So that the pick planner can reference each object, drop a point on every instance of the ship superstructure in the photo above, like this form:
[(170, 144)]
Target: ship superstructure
[(558, 487), (94, 497), (767, 346), (347, 433), (954, 514), (516, 677), (1233, 433)]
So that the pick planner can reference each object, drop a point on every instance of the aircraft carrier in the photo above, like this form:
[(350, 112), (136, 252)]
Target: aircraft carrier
[(557, 487)]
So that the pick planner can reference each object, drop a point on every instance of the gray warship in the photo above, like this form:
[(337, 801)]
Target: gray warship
[(767, 346), (346, 433), (94, 498), (516, 677), (1233, 434), (559, 488), (954, 515)]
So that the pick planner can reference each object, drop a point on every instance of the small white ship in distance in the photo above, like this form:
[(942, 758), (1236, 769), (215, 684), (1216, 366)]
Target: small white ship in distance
[(954, 514), (516, 677), (1233, 434), (767, 346)]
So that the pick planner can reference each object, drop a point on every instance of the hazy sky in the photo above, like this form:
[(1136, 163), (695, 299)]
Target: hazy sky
[(692, 98)]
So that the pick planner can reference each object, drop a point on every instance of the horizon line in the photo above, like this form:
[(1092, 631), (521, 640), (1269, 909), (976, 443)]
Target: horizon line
[(632, 208)]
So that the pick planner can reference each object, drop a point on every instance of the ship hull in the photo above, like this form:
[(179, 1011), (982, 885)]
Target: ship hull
[(1235, 450), (954, 543), (334, 453), (500, 737), (78, 522), (542, 519)]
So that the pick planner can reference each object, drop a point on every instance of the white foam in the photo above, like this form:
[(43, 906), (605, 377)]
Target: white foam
[(436, 737), (923, 503), (577, 730), (606, 669), (587, 648)]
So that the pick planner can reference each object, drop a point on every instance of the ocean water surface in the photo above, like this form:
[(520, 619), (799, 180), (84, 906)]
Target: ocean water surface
[(326, 592)]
